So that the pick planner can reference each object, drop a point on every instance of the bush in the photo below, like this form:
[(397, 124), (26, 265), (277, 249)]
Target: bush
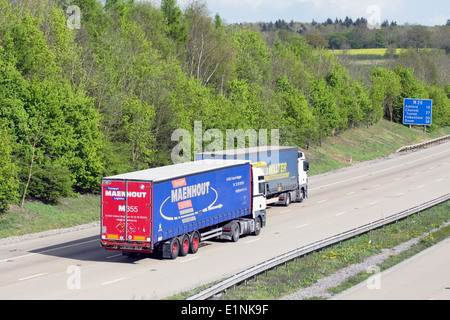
[(50, 184)]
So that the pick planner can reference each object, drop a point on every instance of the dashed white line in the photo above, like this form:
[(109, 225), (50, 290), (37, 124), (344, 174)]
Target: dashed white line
[(254, 240), (419, 187), (285, 211), (340, 213), (372, 203), (113, 281), (322, 201), (375, 186), (190, 259), (116, 255), (301, 226), (350, 193), (33, 276)]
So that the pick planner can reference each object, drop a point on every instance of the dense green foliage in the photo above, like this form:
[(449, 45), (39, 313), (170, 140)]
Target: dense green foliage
[(77, 104)]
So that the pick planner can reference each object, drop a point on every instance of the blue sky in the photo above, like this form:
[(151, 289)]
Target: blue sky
[(426, 12)]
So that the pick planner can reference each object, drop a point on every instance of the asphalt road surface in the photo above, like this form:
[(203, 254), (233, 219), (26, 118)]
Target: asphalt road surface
[(74, 266)]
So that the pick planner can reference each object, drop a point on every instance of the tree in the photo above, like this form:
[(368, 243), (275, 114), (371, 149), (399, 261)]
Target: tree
[(253, 56), (317, 41), (209, 51), (137, 119), (385, 91), (177, 29), (297, 116), (8, 172), (324, 107), (419, 37)]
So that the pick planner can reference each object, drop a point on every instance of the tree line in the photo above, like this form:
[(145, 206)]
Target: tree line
[(80, 104), (358, 34)]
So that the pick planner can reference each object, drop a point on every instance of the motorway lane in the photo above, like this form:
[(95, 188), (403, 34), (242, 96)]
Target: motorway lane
[(339, 201)]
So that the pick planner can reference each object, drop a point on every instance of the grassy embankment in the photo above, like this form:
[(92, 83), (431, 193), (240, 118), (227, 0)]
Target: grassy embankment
[(363, 143)]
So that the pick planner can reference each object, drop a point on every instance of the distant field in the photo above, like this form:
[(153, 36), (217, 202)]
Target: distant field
[(373, 52)]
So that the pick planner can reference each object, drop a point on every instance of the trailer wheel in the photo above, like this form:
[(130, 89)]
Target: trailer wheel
[(235, 232), (184, 245), (194, 242), (174, 248)]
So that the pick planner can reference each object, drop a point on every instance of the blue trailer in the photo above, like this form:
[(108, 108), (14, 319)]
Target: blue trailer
[(174, 208), (285, 169)]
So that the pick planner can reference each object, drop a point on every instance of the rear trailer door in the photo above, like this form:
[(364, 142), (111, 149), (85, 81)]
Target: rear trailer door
[(127, 215)]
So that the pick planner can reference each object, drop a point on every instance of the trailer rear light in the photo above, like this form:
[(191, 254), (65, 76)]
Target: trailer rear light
[(226, 229)]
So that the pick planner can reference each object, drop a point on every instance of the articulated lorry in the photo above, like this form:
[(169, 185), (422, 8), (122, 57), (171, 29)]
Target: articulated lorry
[(285, 170), (172, 209)]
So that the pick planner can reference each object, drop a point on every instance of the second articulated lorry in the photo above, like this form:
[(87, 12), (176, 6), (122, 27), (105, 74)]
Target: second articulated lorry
[(285, 170), (174, 208)]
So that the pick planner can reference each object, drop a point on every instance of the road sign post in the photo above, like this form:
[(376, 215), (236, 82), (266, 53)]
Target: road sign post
[(418, 112)]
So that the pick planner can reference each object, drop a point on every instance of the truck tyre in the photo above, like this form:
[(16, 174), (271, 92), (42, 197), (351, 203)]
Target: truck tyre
[(235, 232), (257, 226), (194, 242), (288, 199), (184, 245), (174, 248), (301, 196)]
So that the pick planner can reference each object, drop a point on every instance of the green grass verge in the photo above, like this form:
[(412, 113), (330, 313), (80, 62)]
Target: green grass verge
[(37, 217)]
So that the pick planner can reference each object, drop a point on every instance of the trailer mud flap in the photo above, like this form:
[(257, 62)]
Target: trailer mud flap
[(127, 211)]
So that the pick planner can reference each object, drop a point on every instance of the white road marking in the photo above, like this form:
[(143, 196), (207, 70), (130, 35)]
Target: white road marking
[(350, 193), (340, 213), (372, 203), (322, 201), (187, 260), (113, 281), (301, 226), (116, 255), (33, 276), (285, 211), (254, 240)]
